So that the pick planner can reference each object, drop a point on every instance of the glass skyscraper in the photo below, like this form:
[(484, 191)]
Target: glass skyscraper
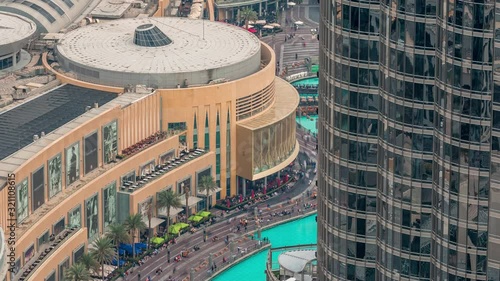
[(409, 150)]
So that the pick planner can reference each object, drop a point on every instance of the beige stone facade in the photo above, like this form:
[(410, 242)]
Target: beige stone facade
[(239, 124)]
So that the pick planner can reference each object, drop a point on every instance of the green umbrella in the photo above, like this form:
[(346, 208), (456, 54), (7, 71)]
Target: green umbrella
[(191, 218), (197, 218), (158, 240), (174, 229), (204, 214), (182, 225)]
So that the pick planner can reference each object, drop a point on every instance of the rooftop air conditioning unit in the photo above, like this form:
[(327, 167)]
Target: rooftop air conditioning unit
[(35, 137)]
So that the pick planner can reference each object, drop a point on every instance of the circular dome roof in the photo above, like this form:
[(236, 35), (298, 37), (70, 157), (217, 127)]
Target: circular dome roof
[(15, 32), (169, 50)]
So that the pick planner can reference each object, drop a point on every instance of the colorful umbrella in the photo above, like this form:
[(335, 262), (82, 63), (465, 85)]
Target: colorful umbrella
[(197, 218), (174, 229), (158, 240), (182, 225), (203, 214)]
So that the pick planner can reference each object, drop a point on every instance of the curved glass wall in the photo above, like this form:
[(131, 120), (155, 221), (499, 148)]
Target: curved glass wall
[(464, 56), (348, 123), (407, 64), (464, 64), (494, 190), (273, 144)]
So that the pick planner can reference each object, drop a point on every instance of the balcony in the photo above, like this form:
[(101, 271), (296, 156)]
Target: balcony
[(84, 180), (184, 157), (43, 253)]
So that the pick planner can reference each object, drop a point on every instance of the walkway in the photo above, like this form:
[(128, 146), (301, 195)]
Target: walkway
[(198, 260), (286, 51)]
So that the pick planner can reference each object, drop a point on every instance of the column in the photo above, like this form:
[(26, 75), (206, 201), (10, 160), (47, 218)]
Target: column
[(260, 9), (244, 187)]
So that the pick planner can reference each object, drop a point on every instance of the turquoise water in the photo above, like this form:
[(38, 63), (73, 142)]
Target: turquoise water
[(302, 231), (308, 122), (307, 81)]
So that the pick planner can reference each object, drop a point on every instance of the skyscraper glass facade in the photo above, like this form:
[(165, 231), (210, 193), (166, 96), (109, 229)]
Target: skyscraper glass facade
[(409, 149)]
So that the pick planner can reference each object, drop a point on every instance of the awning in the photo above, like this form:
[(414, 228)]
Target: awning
[(192, 200), (162, 212), (204, 194), (154, 221), (296, 261)]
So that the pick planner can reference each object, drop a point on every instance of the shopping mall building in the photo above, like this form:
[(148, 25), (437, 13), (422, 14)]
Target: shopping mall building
[(144, 105)]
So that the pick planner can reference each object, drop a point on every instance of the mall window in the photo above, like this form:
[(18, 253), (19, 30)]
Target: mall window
[(195, 133), (207, 134), (44, 239), (178, 126)]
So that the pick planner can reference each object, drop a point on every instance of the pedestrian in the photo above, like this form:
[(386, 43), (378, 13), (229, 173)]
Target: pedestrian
[(296, 56), (168, 255), (175, 268)]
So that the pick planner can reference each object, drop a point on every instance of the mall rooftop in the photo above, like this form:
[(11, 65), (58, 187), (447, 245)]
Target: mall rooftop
[(178, 51), (15, 31)]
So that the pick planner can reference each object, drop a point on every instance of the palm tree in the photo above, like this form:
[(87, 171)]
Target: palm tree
[(248, 14), (168, 199), (103, 251), (118, 233), (89, 262), (149, 211), (134, 224), (187, 190), (207, 184), (77, 272)]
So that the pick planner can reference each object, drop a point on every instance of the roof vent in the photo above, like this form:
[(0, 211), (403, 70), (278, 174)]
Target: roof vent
[(149, 35), (35, 137)]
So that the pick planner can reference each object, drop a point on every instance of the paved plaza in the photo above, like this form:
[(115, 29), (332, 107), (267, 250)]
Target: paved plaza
[(291, 54)]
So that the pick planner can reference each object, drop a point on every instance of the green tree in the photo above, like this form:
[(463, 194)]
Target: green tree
[(207, 184), (168, 199), (247, 14), (103, 252), (89, 262), (134, 225), (77, 272), (118, 234)]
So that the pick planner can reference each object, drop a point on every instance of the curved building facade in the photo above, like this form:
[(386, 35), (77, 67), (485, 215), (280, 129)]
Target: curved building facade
[(437, 167), (15, 31), (407, 64), (113, 159), (49, 15), (3, 256), (462, 143), (349, 103), (170, 56)]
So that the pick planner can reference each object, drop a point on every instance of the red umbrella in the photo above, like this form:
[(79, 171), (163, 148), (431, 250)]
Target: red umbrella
[(253, 193), (253, 30)]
